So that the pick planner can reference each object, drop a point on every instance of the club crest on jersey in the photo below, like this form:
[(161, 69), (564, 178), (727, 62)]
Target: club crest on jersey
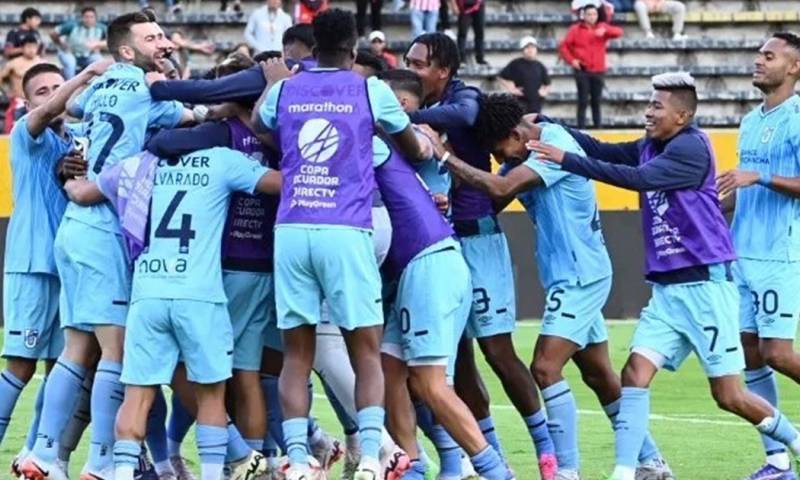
[(766, 136), (658, 202), (31, 337), (318, 140)]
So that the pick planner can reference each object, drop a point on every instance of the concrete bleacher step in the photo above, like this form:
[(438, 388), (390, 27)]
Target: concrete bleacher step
[(212, 6)]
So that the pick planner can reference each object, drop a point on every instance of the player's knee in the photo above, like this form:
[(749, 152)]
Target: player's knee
[(598, 380), (633, 376), (500, 355), (778, 359), (424, 387), (545, 372), (22, 368)]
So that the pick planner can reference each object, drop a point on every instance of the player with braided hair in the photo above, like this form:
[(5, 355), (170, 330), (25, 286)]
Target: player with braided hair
[(577, 279)]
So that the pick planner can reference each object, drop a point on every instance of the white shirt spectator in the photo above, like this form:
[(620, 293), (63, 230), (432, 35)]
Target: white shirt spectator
[(264, 31)]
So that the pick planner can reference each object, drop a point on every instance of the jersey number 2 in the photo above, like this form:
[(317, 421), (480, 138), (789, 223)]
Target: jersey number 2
[(183, 234)]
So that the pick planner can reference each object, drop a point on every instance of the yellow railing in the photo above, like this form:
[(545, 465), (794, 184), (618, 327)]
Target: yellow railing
[(610, 198)]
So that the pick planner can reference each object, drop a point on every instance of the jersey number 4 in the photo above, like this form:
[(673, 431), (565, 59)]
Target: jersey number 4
[(184, 234)]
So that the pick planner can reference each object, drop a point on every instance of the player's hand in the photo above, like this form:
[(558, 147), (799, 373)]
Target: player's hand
[(600, 32), (546, 152), (275, 69), (221, 111), (576, 64), (72, 165), (733, 179), (99, 67), (442, 202), (153, 77), (433, 136)]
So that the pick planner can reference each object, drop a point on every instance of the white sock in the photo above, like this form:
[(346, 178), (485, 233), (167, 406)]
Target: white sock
[(211, 471), (386, 440), (163, 467), (624, 473), (123, 472), (173, 447), (794, 446), (779, 460)]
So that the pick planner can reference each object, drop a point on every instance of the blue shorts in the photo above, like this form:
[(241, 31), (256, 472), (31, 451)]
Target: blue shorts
[(430, 312), (272, 335), (769, 294), (95, 279), (575, 312), (699, 317), (335, 264), (493, 304), (160, 331), (30, 312), (249, 294)]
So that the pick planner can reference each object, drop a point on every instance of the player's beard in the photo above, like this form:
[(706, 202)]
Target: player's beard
[(146, 63)]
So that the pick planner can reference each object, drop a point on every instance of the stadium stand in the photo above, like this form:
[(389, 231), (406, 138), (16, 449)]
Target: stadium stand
[(723, 34)]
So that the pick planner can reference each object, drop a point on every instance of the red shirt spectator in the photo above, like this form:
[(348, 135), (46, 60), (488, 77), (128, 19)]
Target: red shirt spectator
[(584, 46)]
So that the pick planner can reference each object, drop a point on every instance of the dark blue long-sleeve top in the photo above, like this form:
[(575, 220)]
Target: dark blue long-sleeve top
[(458, 108), (244, 87), (180, 141), (681, 162)]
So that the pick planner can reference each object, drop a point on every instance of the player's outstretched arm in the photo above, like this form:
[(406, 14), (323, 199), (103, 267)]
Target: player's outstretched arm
[(270, 183), (731, 180), (40, 117), (83, 192), (244, 85)]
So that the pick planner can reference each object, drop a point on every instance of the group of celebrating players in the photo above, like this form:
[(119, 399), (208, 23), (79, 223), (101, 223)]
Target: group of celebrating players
[(319, 218)]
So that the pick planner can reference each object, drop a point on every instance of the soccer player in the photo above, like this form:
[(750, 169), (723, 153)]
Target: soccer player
[(768, 269), (434, 57), (89, 250), (426, 323), (577, 279), (178, 299), (246, 262), (688, 261), (30, 280), (322, 237)]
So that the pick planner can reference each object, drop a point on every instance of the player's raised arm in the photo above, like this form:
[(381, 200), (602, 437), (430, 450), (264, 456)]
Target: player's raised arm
[(40, 117)]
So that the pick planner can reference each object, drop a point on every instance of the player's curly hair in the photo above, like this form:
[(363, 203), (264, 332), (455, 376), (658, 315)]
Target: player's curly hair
[(499, 114), (441, 49), (335, 31)]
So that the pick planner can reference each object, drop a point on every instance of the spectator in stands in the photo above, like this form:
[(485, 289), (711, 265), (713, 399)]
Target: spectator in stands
[(298, 44), (377, 46), (237, 6), (424, 15), (79, 42), (584, 48), (375, 7), (367, 64), (30, 19), (674, 8), (172, 5), (526, 78), (305, 11), (13, 71), (184, 47), (266, 26), (471, 12)]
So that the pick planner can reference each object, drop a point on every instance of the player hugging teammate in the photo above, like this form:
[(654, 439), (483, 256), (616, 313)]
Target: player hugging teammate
[(320, 221)]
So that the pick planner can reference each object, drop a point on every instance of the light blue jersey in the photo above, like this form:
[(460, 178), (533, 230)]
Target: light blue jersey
[(187, 216), (435, 177), (39, 201), (766, 224), (570, 246), (386, 111), (118, 110)]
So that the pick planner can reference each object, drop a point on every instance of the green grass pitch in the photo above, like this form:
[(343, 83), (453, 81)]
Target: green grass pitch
[(699, 441)]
